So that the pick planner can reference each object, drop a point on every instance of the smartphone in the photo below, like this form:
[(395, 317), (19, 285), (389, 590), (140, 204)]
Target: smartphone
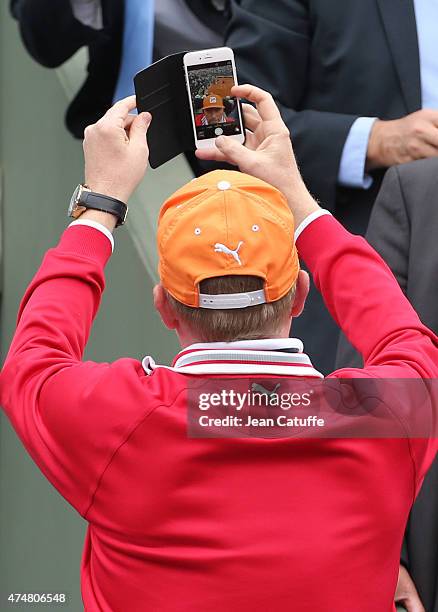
[(210, 75)]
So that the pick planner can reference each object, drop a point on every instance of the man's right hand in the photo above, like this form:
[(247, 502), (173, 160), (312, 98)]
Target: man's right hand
[(403, 140), (268, 153)]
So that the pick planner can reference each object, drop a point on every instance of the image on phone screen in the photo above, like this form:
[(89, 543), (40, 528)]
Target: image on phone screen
[(215, 110)]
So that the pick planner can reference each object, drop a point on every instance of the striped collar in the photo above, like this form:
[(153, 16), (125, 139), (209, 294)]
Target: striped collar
[(277, 356)]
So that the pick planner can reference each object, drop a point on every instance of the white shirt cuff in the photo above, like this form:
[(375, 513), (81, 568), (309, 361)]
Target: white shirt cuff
[(88, 12), (308, 220), (354, 156), (97, 226)]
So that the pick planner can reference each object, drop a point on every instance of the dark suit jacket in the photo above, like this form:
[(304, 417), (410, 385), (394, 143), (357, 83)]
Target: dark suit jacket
[(328, 62), (404, 230), (51, 34)]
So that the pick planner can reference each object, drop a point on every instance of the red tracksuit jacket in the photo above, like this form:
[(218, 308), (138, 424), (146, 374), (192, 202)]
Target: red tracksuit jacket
[(207, 525)]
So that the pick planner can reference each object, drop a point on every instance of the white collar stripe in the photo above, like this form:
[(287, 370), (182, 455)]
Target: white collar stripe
[(265, 344), (243, 356), (267, 356), (246, 368), (236, 368)]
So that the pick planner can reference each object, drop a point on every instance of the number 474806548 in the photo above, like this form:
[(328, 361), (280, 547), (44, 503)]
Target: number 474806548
[(48, 598)]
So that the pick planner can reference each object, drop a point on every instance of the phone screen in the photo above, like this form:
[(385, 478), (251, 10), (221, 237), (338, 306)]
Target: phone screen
[(215, 110)]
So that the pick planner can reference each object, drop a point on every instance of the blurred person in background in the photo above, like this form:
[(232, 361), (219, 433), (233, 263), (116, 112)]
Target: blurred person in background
[(403, 229), (357, 85), (121, 36)]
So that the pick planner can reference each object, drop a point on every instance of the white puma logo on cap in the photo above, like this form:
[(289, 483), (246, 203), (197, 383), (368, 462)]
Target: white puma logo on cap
[(221, 248)]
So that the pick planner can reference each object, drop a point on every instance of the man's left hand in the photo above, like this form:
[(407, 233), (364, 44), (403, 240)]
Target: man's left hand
[(406, 593), (116, 151)]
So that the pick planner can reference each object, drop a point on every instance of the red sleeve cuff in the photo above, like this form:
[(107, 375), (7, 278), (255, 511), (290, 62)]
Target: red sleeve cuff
[(86, 241), (311, 243)]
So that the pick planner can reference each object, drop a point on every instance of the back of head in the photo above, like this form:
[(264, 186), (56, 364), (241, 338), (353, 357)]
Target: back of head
[(227, 257)]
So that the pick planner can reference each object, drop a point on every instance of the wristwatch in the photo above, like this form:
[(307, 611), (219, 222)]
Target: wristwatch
[(84, 198)]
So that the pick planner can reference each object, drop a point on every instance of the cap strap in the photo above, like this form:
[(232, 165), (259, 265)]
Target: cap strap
[(225, 301)]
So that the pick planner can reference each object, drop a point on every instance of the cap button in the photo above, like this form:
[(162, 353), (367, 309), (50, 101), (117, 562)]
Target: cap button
[(223, 185)]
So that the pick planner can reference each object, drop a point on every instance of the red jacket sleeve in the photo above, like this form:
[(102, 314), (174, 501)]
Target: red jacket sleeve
[(366, 301), (67, 412)]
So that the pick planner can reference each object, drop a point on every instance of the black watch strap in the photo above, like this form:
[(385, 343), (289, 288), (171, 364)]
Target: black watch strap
[(105, 203)]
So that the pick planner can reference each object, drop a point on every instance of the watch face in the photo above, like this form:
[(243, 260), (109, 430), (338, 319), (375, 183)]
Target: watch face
[(74, 200)]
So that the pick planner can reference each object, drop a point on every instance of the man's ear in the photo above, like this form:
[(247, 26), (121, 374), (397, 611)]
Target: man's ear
[(163, 307), (301, 293)]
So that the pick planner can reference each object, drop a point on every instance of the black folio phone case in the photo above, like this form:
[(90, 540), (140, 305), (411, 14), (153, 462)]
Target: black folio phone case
[(161, 89)]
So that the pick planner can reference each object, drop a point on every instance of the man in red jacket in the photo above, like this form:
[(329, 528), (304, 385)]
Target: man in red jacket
[(238, 523)]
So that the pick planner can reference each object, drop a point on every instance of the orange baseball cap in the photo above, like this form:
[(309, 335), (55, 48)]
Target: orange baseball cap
[(225, 223), (212, 101)]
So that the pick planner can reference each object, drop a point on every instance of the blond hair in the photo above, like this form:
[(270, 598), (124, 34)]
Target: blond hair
[(252, 323)]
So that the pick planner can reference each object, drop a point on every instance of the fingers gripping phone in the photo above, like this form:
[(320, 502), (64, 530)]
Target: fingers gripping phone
[(210, 75)]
